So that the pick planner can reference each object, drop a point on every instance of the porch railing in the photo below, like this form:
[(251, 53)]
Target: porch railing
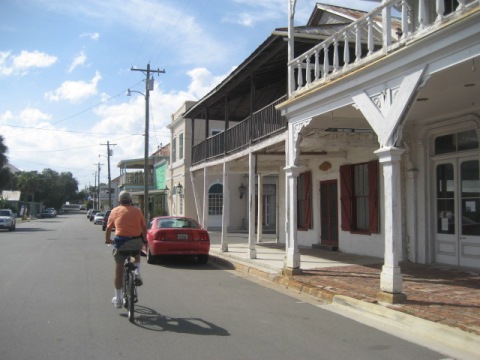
[(254, 128), (347, 48), (134, 179)]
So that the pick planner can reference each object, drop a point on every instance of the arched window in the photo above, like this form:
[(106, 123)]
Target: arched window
[(215, 199)]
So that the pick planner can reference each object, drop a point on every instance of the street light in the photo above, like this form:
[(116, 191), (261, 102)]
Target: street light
[(179, 190)]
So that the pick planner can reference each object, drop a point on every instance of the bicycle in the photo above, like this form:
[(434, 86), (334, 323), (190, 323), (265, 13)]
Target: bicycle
[(130, 296)]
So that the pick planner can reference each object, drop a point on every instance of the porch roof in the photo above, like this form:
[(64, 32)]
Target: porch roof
[(134, 163), (266, 67)]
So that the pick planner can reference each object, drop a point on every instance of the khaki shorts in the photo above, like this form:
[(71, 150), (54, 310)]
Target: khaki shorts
[(130, 245)]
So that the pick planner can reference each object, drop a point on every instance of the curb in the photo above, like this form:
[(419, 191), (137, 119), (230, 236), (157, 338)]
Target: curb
[(461, 340)]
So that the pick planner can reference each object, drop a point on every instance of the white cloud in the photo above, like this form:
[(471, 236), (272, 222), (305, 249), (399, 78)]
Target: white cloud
[(75, 91), (92, 36), (5, 117), (203, 81), (25, 61), (33, 117), (80, 59)]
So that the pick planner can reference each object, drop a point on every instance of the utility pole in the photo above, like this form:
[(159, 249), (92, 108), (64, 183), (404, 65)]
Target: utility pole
[(148, 87), (98, 189), (109, 153)]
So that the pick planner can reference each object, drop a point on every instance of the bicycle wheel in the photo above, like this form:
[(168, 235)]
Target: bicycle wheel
[(125, 287), (131, 295)]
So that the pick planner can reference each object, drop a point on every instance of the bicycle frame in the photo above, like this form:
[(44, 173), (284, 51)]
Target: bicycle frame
[(129, 289)]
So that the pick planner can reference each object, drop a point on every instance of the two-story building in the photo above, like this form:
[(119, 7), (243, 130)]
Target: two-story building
[(132, 179), (359, 131)]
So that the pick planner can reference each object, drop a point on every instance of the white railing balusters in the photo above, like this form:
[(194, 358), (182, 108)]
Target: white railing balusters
[(300, 73), (326, 62), (358, 42), (405, 19), (422, 14), (386, 27), (336, 62), (440, 10), (308, 73), (317, 64), (371, 45), (310, 68), (346, 50)]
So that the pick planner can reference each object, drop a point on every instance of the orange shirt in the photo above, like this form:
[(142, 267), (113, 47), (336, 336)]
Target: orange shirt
[(127, 220)]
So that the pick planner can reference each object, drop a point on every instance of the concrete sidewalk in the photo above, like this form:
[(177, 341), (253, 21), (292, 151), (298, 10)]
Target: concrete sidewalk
[(443, 302)]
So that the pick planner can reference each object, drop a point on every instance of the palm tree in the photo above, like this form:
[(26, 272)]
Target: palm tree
[(3, 151)]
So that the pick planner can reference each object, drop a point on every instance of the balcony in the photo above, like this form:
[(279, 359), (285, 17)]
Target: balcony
[(134, 179), (253, 129), (384, 30)]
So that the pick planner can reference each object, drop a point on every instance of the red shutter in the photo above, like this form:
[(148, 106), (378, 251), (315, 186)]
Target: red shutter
[(373, 197), (346, 196), (308, 201)]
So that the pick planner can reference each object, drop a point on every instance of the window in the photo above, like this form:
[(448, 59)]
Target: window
[(304, 201), (359, 197), (180, 146), (174, 149), (465, 140), (215, 200)]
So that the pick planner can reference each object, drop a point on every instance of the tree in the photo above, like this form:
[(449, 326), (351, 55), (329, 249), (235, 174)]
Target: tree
[(5, 174), (5, 178), (49, 187), (3, 151), (28, 183)]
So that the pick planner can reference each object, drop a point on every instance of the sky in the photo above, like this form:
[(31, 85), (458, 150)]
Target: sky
[(65, 68)]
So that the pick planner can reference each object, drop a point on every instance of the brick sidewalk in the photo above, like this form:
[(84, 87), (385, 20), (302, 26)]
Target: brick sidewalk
[(439, 294)]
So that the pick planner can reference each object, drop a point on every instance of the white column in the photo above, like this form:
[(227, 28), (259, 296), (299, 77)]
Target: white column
[(391, 286), (205, 198), (259, 207), (225, 208), (252, 252), (292, 258), (411, 214)]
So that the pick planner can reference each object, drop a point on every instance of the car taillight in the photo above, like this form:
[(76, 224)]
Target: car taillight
[(200, 236)]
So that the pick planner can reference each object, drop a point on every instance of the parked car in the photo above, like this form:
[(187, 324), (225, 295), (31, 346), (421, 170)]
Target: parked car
[(105, 220), (48, 213), (98, 218), (53, 211), (92, 214), (173, 235), (8, 219)]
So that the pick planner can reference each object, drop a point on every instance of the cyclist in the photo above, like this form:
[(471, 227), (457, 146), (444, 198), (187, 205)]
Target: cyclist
[(130, 232)]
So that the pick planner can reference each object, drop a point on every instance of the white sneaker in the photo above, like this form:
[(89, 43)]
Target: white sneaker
[(138, 279), (117, 304)]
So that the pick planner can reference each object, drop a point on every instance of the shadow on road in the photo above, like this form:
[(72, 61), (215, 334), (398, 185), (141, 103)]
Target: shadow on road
[(184, 262), (149, 319), (29, 229)]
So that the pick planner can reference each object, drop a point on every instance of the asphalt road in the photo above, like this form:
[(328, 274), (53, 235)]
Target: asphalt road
[(56, 286)]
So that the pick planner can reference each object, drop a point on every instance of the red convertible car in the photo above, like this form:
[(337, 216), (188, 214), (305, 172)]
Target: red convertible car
[(176, 235)]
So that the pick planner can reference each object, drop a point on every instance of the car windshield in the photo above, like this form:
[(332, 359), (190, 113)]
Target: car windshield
[(4, 213), (176, 223)]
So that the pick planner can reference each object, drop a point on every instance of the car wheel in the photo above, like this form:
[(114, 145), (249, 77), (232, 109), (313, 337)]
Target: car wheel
[(202, 259), (150, 257)]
